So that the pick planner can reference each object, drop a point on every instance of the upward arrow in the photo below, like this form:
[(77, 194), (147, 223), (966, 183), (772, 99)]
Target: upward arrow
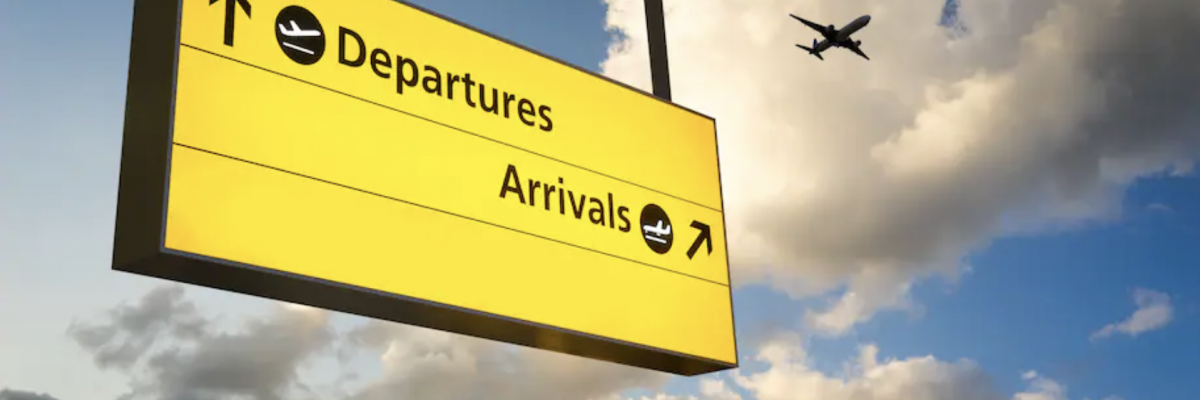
[(704, 237), (230, 14)]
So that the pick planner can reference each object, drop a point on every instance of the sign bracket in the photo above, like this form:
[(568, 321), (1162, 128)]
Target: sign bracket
[(660, 74)]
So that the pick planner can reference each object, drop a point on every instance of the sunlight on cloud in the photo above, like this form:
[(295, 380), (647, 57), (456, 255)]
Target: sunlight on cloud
[(867, 176)]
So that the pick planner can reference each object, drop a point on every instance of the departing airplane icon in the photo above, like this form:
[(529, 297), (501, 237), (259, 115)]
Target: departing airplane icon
[(656, 231), (295, 31)]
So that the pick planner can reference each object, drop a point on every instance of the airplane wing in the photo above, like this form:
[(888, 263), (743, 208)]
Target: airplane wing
[(858, 51), (815, 26)]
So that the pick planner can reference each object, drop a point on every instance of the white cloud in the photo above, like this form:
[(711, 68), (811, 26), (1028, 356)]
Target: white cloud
[(867, 175), (710, 389), (1041, 388), (1154, 311), (790, 376)]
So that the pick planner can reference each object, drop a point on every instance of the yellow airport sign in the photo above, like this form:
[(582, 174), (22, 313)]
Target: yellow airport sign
[(372, 157)]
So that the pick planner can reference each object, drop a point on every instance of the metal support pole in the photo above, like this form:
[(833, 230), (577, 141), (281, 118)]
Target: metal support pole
[(660, 75)]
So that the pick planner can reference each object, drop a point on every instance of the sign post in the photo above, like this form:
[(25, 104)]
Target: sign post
[(375, 158), (656, 32)]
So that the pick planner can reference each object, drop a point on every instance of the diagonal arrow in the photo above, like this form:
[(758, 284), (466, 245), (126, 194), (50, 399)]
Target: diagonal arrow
[(705, 236), (230, 14)]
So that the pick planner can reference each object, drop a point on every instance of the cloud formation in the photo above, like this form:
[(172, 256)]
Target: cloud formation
[(420, 363), (184, 356), (131, 330), (1154, 311), (9, 394), (710, 389), (263, 358), (870, 175), (790, 376), (1042, 388)]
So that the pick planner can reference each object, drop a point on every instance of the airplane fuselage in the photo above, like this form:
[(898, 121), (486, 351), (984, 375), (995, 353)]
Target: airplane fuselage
[(823, 45), (844, 33)]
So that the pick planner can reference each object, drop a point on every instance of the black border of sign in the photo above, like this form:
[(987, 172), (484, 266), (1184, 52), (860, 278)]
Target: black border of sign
[(139, 234)]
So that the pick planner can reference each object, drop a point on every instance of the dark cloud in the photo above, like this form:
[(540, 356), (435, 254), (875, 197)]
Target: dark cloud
[(182, 357), (191, 359), (259, 362), (1146, 55), (131, 330), (9, 394)]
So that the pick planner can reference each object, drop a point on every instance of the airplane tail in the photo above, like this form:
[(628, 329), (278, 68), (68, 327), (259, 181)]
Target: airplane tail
[(811, 51)]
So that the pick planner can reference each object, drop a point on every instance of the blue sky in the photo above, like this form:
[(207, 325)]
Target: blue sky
[(1028, 302), (1031, 302)]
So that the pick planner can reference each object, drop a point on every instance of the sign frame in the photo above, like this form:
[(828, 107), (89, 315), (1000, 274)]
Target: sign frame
[(139, 245)]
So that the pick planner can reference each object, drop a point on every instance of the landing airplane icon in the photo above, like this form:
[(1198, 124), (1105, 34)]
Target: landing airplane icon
[(656, 231), (295, 31)]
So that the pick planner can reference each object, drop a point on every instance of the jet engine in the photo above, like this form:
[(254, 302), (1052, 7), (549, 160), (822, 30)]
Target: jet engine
[(857, 43), (832, 28)]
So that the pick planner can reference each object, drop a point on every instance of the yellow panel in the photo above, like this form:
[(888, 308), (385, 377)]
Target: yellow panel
[(594, 123), (238, 211), (283, 124), (294, 161)]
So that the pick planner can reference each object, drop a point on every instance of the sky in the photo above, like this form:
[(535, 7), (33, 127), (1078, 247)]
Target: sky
[(1001, 208)]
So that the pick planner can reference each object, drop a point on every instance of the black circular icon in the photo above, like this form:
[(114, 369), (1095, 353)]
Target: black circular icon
[(656, 229), (300, 35)]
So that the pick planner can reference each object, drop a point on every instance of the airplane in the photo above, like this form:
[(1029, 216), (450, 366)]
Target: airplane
[(656, 231), (835, 37), (295, 31)]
